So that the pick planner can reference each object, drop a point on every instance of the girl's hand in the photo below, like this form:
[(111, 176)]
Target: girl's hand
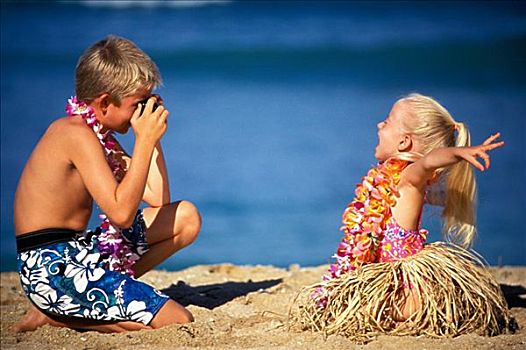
[(471, 154)]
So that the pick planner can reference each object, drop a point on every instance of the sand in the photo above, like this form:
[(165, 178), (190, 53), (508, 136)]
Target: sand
[(242, 307)]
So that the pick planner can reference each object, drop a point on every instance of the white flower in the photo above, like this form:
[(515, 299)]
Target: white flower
[(29, 275), (67, 258), (135, 312), (31, 258), (46, 298), (37, 276), (84, 269), (119, 294), (81, 243), (95, 314)]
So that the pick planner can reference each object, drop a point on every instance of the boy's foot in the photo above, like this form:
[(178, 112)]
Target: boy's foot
[(33, 319)]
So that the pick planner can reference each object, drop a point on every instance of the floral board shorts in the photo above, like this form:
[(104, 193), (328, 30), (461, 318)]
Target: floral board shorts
[(65, 273)]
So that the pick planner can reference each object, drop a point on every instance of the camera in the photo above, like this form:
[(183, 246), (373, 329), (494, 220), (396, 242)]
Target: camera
[(143, 104)]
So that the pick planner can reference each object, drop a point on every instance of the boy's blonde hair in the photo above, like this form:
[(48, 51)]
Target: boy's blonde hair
[(115, 66), (433, 126)]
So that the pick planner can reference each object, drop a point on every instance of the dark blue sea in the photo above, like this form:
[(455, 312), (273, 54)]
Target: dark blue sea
[(274, 108)]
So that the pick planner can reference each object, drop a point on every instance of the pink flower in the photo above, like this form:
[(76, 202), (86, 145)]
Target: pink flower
[(361, 247), (110, 144), (334, 269), (358, 205)]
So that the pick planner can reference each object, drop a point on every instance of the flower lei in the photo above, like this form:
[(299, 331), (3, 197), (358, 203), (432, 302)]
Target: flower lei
[(364, 221), (111, 240)]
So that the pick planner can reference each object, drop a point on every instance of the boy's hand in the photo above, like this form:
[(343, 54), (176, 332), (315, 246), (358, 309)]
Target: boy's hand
[(470, 154), (150, 125)]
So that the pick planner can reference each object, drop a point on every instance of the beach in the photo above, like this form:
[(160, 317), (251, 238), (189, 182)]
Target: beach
[(243, 307)]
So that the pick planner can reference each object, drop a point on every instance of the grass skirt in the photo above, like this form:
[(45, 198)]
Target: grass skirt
[(457, 295)]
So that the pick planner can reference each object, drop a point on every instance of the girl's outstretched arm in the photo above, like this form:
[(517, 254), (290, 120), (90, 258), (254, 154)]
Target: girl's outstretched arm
[(422, 170)]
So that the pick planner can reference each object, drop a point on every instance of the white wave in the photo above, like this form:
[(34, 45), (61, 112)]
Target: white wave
[(153, 3)]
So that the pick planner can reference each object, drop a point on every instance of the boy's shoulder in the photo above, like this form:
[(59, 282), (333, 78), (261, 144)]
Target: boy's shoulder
[(68, 122), (69, 136), (69, 126)]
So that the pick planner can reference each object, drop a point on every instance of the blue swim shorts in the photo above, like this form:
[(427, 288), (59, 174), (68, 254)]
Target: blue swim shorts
[(64, 273)]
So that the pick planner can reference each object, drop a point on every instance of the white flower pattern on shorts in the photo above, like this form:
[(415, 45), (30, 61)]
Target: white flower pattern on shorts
[(73, 279)]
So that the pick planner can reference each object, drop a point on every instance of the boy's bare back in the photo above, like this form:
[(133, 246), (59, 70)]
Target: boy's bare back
[(51, 192)]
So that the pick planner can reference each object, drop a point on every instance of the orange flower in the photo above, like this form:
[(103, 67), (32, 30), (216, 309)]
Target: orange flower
[(366, 216)]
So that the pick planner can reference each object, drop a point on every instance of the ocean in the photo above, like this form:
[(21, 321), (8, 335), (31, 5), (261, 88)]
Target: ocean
[(274, 108)]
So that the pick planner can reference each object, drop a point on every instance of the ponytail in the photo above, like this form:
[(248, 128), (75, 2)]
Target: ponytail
[(459, 211), (434, 127)]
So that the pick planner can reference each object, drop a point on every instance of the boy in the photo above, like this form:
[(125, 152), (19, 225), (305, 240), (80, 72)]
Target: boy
[(83, 279)]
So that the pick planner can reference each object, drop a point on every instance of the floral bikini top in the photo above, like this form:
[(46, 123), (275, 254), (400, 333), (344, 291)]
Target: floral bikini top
[(371, 234), (399, 243)]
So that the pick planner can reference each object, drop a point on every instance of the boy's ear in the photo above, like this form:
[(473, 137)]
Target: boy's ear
[(102, 102), (405, 143)]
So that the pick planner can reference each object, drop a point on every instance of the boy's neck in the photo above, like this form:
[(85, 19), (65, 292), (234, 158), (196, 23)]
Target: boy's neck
[(98, 112)]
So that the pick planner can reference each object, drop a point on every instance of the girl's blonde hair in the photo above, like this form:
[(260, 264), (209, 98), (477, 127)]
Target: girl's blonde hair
[(433, 126), (115, 66)]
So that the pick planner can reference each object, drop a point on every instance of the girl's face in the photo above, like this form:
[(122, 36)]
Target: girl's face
[(391, 137)]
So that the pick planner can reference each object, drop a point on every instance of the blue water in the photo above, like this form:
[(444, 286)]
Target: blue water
[(274, 107)]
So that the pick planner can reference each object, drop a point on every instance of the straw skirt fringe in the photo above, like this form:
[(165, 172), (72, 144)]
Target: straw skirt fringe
[(456, 295)]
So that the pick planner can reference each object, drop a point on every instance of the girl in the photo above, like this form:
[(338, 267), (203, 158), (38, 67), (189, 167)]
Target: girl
[(384, 279)]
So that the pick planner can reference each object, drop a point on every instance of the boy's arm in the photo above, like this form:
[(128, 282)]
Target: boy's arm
[(118, 201), (157, 190), (421, 171)]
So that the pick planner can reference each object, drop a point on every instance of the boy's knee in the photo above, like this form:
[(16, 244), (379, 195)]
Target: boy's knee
[(181, 316), (192, 219), (186, 317), (171, 313)]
